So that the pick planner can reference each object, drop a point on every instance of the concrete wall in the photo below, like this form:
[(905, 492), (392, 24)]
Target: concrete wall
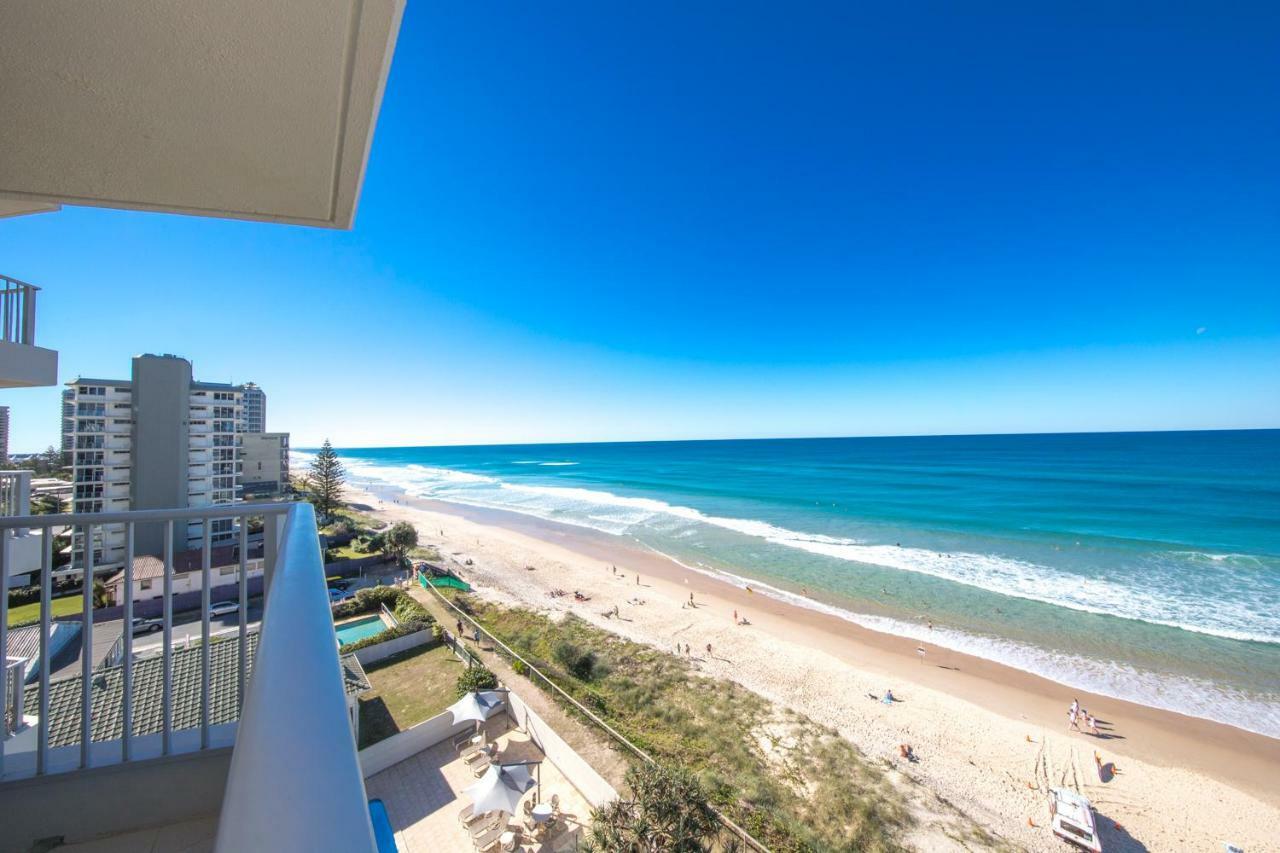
[(591, 784), (381, 651), (106, 800), (161, 415), (393, 750), (264, 461)]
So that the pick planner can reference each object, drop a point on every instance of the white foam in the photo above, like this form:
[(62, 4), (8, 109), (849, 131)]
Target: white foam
[(556, 464), (619, 514), (1182, 694), (1168, 604)]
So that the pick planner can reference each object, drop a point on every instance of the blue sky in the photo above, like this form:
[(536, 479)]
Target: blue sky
[(732, 220)]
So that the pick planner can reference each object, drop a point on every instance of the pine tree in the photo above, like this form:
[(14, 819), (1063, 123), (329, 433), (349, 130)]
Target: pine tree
[(327, 477)]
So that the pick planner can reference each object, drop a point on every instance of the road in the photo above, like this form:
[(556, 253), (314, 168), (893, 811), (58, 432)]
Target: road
[(187, 625)]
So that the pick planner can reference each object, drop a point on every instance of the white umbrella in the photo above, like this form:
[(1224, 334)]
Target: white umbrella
[(475, 706), (500, 788)]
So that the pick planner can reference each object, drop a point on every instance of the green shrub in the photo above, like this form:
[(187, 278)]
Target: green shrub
[(475, 678), (580, 663), (519, 667)]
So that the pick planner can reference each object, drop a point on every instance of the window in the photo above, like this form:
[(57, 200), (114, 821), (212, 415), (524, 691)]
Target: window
[(228, 570), (145, 584)]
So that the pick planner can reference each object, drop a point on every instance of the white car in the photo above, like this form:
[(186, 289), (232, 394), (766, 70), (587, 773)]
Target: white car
[(147, 626), (222, 608)]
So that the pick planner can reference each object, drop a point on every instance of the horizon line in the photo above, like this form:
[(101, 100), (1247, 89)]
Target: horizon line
[(802, 438)]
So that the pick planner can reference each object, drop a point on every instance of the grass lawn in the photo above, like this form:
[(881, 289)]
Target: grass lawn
[(28, 614), (347, 552), (407, 689)]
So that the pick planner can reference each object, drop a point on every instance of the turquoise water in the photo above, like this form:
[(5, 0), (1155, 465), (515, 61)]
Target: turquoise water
[(350, 632), (1139, 565)]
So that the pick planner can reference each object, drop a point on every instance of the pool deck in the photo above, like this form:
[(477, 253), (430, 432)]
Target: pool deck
[(423, 796)]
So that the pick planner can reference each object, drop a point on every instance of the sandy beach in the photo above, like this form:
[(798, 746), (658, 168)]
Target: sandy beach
[(989, 738)]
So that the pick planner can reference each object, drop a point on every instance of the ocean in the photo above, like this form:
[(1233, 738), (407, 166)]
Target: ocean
[(1144, 566)]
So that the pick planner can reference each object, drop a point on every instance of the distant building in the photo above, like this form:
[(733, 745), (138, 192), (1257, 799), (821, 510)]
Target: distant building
[(255, 409), (4, 435), (264, 464), (68, 414), (158, 441)]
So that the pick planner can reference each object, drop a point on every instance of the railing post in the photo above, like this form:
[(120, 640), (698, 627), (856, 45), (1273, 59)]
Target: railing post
[(4, 636), (86, 653), (46, 614), (29, 316), (167, 653), (126, 662)]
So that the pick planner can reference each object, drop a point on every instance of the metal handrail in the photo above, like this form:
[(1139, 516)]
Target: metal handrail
[(287, 746)]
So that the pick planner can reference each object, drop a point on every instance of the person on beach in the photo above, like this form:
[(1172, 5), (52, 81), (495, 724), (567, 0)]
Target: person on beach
[(690, 599), (686, 649), (709, 650), (1092, 724), (888, 697), (735, 615), (459, 627)]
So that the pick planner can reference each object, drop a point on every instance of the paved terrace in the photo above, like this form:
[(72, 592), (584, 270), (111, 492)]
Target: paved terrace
[(423, 796)]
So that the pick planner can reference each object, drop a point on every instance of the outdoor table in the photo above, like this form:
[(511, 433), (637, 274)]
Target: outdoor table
[(541, 813)]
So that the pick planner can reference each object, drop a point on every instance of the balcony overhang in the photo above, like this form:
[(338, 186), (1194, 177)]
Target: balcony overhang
[(24, 366), (239, 108)]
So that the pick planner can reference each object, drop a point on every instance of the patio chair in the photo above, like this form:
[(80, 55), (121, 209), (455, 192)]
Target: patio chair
[(488, 822), (555, 805), (468, 815), (464, 741), (484, 754), (482, 767), (491, 834)]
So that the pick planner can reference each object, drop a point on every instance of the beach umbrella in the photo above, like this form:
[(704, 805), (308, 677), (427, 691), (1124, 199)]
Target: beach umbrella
[(475, 706), (500, 788)]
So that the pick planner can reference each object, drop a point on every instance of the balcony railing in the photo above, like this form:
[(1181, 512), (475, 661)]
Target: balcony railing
[(15, 494), (294, 781), (17, 311)]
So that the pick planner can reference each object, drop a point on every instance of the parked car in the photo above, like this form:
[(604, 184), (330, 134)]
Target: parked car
[(336, 595), (147, 626), (222, 608), (343, 584)]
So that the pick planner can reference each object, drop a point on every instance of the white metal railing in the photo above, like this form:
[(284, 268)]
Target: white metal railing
[(17, 311), (15, 493), (295, 780)]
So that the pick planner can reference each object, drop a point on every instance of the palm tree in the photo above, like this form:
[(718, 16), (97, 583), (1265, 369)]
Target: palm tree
[(667, 812)]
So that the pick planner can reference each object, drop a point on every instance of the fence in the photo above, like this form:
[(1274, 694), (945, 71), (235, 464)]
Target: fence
[(17, 311), (531, 671)]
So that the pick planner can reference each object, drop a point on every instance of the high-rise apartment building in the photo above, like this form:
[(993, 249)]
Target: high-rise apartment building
[(157, 441), (4, 435), (264, 463), (255, 409)]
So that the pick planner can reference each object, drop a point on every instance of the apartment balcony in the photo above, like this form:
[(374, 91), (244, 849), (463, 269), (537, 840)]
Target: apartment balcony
[(246, 742), (22, 363)]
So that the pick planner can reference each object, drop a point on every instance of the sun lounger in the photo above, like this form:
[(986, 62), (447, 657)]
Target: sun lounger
[(491, 834)]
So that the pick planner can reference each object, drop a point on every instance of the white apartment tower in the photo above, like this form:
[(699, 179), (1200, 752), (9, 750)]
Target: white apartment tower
[(159, 440), (255, 409), (4, 435)]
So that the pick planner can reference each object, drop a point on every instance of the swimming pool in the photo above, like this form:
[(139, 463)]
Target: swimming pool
[(350, 632)]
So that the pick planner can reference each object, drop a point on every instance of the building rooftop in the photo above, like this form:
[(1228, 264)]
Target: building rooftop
[(148, 681)]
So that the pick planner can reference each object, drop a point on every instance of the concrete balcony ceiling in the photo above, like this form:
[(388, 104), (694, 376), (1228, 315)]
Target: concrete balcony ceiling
[(238, 109)]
